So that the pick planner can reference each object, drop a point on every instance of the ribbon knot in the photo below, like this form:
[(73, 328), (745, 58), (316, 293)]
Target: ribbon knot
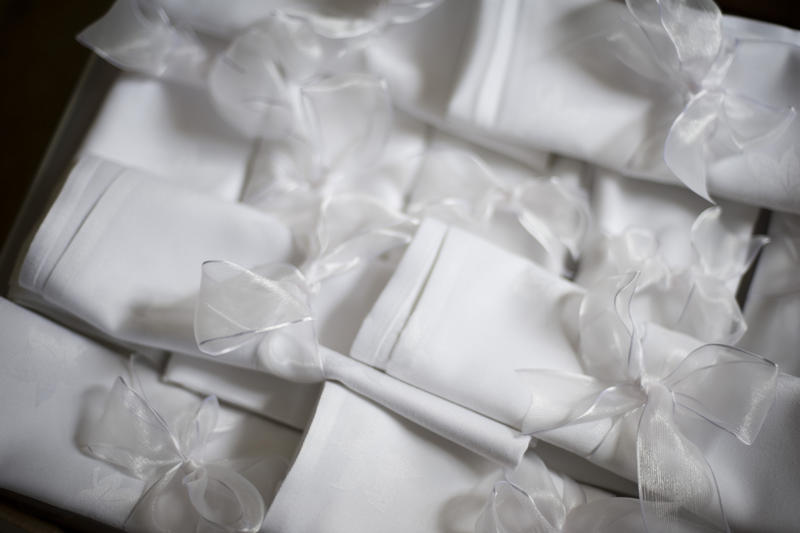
[(682, 42), (237, 306), (641, 382), (185, 493), (460, 188)]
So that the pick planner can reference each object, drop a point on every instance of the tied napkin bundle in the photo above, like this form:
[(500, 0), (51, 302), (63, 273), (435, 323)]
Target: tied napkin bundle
[(118, 252), (663, 90), (699, 404), (54, 385)]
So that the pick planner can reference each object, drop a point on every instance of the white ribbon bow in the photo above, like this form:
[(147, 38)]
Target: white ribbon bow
[(527, 500), (459, 187), (185, 494), (632, 389), (681, 42)]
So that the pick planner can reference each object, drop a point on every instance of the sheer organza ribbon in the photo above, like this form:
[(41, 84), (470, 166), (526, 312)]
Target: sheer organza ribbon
[(460, 187), (681, 41), (725, 386), (697, 299), (185, 493), (527, 500), (237, 306)]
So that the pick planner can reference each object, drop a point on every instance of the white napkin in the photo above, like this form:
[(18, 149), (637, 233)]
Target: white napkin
[(53, 384), (170, 131), (363, 469), (121, 253), (555, 76), (460, 317), (772, 308)]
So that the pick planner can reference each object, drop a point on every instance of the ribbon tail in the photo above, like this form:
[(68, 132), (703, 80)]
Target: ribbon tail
[(677, 488), (685, 147)]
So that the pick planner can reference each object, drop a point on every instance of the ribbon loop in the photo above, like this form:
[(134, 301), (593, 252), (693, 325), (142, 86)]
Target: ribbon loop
[(728, 387), (237, 306), (186, 494)]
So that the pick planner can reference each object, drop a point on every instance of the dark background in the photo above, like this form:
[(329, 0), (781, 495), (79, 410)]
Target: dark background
[(40, 63)]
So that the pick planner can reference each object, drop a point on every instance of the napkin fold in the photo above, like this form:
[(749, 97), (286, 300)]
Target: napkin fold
[(119, 253)]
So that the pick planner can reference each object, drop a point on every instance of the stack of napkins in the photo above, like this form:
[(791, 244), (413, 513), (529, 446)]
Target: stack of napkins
[(420, 265)]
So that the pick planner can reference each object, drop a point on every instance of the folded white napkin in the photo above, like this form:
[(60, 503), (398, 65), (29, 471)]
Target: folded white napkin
[(170, 131), (464, 320), (772, 308), (363, 469), (54, 384), (121, 252), (581, 78)]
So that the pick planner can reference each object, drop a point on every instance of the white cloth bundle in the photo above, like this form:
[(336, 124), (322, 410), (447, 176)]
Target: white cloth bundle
[(363, 469), (171, 132), (53, 386), (468, 321), (121, 252), (585, 79)]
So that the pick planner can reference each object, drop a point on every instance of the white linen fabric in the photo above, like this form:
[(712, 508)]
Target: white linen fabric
[(772, 308), (362, 469), (53, 386), (120, 253), (172, 132), (431, 331), (568, 77)]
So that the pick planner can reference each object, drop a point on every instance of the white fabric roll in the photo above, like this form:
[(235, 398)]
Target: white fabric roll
[(461, 317), (53, 383), (363, 469), (547, 76), (120, 252)]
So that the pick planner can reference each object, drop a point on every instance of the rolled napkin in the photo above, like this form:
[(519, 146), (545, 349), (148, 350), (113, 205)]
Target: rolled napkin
[(362, 468), (118, 253), (268, 310), (54, 385), (172, 132), (469, 322), (662, 91), (773, 303)]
